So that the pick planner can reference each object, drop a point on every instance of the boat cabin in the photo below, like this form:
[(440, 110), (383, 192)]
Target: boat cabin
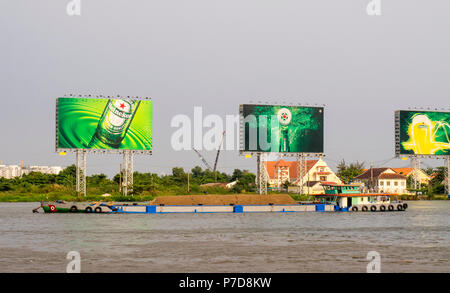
[(348, 195)]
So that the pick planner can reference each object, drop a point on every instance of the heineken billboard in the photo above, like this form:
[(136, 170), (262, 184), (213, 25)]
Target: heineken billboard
[(281, 129), (104, 124), (422, 133)]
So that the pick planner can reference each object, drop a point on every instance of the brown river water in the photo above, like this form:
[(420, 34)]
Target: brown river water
[(417, 240)]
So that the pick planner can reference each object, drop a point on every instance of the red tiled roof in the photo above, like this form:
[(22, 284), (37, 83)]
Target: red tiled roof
[(403, 171), (375, 172), (272, 165), (391, 176)]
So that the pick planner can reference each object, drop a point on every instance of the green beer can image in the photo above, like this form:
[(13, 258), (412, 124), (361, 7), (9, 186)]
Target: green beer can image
[(104, 124), (115, 121)]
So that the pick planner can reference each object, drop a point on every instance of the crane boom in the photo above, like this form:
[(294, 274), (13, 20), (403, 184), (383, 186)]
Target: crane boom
[(218, 151), (203, 160)]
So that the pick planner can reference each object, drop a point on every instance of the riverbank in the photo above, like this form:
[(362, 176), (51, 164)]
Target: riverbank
[(32, 197)]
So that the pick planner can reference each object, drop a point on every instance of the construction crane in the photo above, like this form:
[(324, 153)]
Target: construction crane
[(217, 157), (203, 160), (218, 151)]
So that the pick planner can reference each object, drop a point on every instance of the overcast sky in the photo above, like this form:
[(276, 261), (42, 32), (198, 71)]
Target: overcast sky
[(218, 54)]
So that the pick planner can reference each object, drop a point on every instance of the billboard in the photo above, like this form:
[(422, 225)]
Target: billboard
[(422, 133), (281, 129), (104, 124)]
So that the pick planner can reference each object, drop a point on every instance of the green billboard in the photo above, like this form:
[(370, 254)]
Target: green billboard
[(422, 133), (281, 129), (104, 124)]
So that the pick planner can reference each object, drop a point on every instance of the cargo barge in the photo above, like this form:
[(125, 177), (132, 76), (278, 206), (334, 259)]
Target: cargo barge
[(337, 198)]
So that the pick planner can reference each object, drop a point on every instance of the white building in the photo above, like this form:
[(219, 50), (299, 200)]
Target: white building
[(383, 180), (43, 169), (12, 171)]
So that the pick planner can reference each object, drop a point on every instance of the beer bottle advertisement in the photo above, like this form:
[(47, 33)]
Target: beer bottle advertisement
[(87, 123), (282, 129)]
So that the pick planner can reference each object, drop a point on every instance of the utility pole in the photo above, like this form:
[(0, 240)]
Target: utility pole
[(120, 178), (448, 177), (189, 175), (371, 178)]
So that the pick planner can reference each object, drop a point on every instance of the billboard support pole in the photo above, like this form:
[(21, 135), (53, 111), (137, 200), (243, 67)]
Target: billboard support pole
[(81, 172), (128, 172), (261, 174), (301, 172), (448, 177), (416, 168)]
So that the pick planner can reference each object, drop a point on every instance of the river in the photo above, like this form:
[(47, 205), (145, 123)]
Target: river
[(417, 240)]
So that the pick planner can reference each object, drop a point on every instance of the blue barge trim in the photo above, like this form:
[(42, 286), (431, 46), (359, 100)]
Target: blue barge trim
[(164, 209)]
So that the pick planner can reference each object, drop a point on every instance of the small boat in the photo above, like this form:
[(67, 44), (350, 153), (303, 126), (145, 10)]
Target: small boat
[(76, 207), (348, 197)]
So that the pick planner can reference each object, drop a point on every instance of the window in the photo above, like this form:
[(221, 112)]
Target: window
[(395, 183), (323, 178), (381, 183), (388, 183)]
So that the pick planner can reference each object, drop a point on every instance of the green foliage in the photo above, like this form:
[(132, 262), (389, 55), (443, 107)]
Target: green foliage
[(348, 173), (38, 186)]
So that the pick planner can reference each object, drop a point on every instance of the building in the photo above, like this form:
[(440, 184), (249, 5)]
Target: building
[(42, 169), (12, 171), (382, 180), (421, 176), (317, 171)]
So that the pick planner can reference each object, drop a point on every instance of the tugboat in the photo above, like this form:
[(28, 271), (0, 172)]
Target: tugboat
[(63, 207), (348, 197)]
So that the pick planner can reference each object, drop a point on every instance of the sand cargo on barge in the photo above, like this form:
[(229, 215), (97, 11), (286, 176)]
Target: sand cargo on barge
[(337, 198)]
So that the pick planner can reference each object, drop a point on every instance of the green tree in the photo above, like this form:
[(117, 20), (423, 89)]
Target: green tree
[(347, 173)]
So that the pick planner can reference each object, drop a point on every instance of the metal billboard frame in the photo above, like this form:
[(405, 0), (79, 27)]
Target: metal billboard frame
[(128, 155), (414, 157), (398, 141), (261, 178)]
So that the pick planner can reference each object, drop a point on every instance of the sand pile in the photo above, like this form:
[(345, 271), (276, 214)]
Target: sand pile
[(224, 199)]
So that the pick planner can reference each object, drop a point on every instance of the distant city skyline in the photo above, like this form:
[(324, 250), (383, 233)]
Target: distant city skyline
[(217, 55)]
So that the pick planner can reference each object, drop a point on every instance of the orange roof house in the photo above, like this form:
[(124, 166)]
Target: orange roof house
[(282, 171), (423, 177)]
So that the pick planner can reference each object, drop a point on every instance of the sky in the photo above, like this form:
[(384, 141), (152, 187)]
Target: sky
[(218, 54)]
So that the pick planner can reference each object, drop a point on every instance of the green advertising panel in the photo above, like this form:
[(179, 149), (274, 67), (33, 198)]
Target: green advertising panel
[(423, 133), (282, 129), (104, 124)]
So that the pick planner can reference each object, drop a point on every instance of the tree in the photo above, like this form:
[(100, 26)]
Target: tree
[(178, 175), (197, 172), (348, 173)]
